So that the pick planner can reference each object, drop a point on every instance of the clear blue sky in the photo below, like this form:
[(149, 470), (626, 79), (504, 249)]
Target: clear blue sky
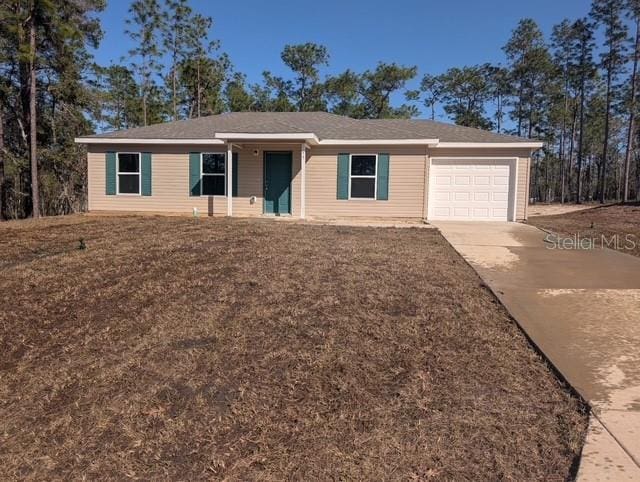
[(434, 35)]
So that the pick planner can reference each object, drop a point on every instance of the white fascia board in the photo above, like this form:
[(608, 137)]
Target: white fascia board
[(378, 142), (121, 140), (498, 145), (247, 136)]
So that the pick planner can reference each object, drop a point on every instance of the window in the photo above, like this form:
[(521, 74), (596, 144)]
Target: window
[(128, 173), (362, 176), (213, 174)]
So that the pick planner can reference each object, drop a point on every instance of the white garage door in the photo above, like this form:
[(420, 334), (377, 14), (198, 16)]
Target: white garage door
[(472, 190)]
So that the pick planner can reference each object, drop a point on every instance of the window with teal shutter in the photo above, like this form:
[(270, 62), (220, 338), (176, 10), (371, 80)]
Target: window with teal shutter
[(383, 177), (194, 174), (343, 176), (234, 191), (146, 174), (110, 173)]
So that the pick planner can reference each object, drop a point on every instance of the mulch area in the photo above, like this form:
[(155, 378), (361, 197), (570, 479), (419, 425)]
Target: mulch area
[(616, 226), (248, 349)]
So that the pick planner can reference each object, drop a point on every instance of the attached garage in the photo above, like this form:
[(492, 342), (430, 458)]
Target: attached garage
[(472, 189)]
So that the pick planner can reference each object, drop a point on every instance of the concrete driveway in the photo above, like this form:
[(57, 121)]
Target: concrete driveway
[(582, 309)]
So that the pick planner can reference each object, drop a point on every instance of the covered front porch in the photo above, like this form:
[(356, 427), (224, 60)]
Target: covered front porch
[(260, 179)]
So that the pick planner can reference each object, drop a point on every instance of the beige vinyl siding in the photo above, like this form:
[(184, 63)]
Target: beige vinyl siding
[(522, 183), (249, 184), (408, 180), (406, 183), (170, 182)]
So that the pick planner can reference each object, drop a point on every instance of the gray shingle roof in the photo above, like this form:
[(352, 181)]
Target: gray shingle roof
[(324, 125), (443, 131)]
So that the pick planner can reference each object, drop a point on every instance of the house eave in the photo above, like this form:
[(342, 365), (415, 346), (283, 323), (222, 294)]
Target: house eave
[(131, 140), (307, 137), (378, 142), (489, 145)]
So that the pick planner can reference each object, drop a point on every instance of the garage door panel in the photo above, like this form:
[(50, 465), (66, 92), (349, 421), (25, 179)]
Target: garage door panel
[(443, 212), (500, 196), (442, 196), (471, 190)]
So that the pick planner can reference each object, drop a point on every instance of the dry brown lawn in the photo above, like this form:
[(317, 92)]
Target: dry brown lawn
[(621, 220), (249, 349)]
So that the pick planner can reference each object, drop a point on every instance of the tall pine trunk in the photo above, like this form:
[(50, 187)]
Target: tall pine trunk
[(198, 87), (1, 163), (145, 89), (561, 150), (632, 115), (144, 105), (580, 143), (605, 146), (572, 142), (33, 151), (175, 104)]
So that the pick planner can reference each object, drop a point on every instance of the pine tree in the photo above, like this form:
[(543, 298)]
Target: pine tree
[(343, 94), (633, 12), (464, 93), (584, 71), (177, 20), (203, 79), (120, 106), (499, 89), (236, 95), (144, 28), (608, 14), (200, 70), (304, 60), (431, 87), (530, 65), (561, 40), (376, 87), (44, 102)]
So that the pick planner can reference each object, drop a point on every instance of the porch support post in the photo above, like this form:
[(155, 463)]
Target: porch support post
[(229, 179), (303, 182)]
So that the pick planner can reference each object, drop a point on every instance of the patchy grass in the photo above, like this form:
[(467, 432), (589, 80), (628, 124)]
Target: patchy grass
[(619, 220), (249, 349)]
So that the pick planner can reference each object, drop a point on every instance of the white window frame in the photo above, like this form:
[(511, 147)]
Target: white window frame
[(202, 173), (375, 179), (139, 173)]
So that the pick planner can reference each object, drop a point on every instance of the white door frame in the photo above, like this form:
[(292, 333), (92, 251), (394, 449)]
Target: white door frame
[(513, 178)]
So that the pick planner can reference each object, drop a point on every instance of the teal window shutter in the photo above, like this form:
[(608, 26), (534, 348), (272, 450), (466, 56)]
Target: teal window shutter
[(343, 176), (235, 175), (146, 173), (110, 166), (194, 174), (383, 177)]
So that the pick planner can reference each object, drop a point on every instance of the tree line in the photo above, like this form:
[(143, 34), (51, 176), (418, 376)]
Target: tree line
[(577, 95)]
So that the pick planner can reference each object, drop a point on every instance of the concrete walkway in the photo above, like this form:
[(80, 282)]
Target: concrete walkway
[(582, 309)]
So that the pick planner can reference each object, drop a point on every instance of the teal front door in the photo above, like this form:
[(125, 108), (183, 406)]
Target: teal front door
[(277, 183)]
